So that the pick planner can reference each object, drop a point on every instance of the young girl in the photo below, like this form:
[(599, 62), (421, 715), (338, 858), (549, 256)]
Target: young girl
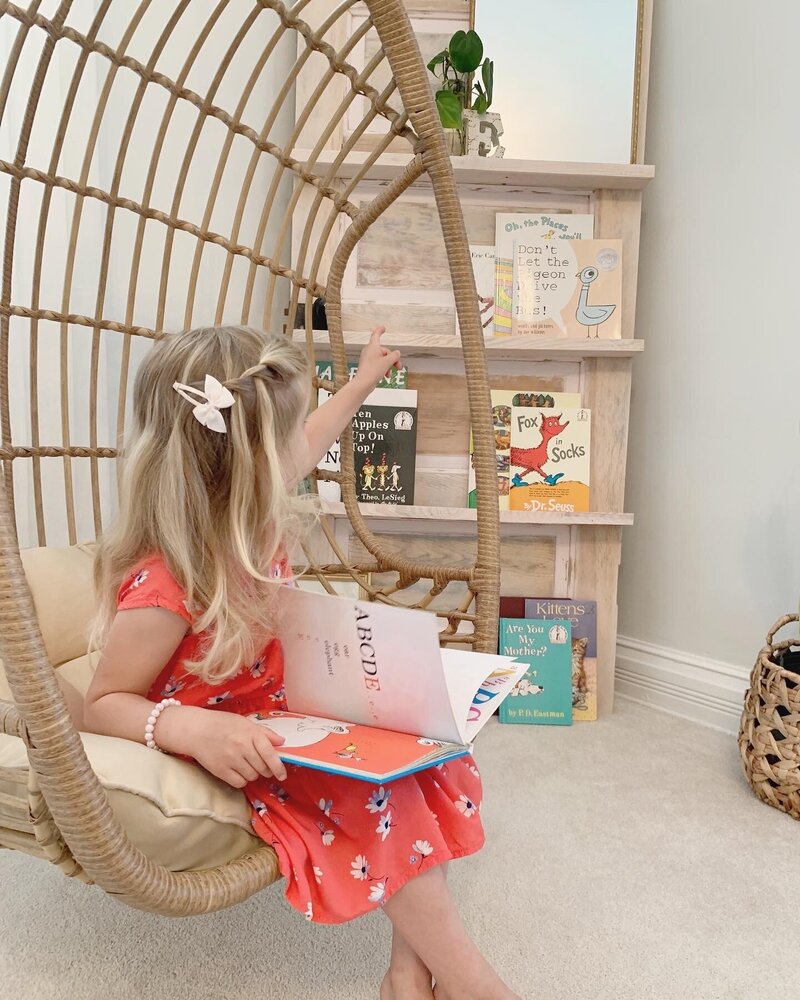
[(186, 583)]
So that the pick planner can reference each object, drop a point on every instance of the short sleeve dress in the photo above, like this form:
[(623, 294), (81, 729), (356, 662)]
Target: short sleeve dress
[(344, 846)]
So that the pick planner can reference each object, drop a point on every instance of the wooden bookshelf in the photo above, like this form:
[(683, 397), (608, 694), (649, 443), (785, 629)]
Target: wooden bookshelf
[(394, 279)]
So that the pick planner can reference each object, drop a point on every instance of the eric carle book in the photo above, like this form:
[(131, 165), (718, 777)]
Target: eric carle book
[(370, 693), (511, 227), (543, 697), (550, 459)]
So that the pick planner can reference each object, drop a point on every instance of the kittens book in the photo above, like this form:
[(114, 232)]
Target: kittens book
[(582, 616), (543, 696), (502, 401), (550, 460), (567, 289), (525, 227)]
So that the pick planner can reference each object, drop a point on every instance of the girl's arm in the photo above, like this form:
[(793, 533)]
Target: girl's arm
[(140, 644), (328, 421)]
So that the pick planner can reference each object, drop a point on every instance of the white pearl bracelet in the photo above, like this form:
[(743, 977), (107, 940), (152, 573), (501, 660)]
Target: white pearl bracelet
[(150, 728)]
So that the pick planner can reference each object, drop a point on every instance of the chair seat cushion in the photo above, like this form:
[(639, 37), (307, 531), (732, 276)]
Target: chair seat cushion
[(178, 815)]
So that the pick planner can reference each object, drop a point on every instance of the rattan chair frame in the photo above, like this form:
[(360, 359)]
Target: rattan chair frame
[(67, 818)]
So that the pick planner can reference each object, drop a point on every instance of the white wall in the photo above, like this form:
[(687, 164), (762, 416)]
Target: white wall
[(714, 463)]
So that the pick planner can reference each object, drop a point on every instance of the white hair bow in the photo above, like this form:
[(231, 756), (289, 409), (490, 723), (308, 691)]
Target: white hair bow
[(207, 408)]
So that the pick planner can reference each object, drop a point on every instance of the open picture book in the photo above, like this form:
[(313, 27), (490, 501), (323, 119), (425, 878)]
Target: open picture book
[(371, 694)]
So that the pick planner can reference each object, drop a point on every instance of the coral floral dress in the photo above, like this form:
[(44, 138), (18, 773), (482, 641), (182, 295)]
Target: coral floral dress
[(344, 845)]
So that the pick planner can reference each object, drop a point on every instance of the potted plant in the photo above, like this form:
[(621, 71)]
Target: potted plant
[(466, 81)]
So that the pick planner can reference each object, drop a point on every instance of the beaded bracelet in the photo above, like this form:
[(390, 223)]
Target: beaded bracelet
[(150, 728)]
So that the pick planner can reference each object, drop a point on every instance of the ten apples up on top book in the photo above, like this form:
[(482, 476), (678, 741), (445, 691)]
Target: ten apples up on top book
[(369, 692)]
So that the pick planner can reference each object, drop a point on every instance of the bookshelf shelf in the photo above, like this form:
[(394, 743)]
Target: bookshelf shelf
[(536, 175), (466, 515), (421, 345)]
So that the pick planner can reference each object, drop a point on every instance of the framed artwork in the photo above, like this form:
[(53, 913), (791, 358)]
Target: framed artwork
[(398, 273)]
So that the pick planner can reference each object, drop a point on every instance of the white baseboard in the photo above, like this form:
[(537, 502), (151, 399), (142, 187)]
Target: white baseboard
[(692, 687)]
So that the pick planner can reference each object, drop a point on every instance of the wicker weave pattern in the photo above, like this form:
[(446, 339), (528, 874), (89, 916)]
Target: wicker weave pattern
[(769, 735), (55, 473)]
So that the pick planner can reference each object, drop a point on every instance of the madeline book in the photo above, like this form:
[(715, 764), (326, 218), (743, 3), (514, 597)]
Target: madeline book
[(370, 693), (550, 459), (502, 401), (565, 288), (397, 379), (523, 226), (543, 696), (385, 446)]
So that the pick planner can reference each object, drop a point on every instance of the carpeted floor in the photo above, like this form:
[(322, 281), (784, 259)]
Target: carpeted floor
[(626, 860)]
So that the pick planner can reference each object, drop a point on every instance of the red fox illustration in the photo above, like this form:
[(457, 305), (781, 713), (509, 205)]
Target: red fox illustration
[(532, 459)]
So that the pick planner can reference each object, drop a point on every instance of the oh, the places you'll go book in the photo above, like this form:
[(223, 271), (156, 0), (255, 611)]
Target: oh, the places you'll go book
[(549, 461), (543, 696), (567, 288), (371, 694), (511, 227)]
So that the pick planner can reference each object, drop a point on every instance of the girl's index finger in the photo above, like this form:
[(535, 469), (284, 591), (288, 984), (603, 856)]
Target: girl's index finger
[(377, 333)]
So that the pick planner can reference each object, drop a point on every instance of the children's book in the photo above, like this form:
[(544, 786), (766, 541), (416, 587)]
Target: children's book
[(502, 401), (543, 696), (385, 446), (550, 459), (566, 288), (371, 694), (483, 267), (397, 379), (522, 226), (582, 616)]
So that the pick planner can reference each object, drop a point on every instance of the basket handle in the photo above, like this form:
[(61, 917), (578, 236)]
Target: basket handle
[(779, 624)]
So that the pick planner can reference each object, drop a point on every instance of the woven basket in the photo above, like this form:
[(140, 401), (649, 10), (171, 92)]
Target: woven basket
[(769, 735)]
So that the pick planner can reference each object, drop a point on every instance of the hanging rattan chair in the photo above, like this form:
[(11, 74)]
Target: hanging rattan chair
[(100, 256)]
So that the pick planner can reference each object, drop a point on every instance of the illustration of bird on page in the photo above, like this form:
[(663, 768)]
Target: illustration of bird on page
[(567, 289)]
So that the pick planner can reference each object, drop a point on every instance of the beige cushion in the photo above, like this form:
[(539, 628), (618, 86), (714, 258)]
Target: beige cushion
[(63, 594), (178, 815)]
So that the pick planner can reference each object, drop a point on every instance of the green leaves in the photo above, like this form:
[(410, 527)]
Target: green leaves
[(466, 51), (450, 109), (454, 67), (437, 60), (487, 73)]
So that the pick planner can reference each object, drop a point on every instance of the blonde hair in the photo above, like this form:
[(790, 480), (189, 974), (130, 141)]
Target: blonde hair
[(215, 506)]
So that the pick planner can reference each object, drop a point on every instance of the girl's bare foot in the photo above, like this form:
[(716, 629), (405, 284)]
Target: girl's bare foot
[(396, 986)]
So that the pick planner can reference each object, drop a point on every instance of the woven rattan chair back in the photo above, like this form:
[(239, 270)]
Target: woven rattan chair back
[(152, 180)]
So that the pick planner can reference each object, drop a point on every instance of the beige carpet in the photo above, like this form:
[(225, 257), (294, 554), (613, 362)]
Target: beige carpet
[(626, 860)]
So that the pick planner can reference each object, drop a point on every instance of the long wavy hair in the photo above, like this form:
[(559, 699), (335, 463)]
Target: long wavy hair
[(215, 506)]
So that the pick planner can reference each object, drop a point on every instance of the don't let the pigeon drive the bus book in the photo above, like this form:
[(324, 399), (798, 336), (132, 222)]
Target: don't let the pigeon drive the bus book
[(370, 693)]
